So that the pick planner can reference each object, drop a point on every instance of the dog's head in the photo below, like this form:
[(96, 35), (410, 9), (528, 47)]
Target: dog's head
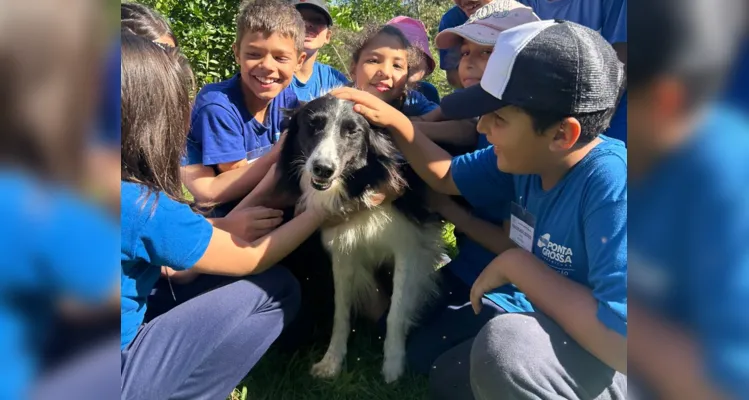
[(333, 146)]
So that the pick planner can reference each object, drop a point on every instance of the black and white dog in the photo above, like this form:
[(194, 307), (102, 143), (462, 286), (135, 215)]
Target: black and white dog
[(334, 159)]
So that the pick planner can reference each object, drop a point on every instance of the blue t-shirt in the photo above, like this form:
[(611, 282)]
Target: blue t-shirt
[(450, 58), (417, 105), (154, 234), (54, 245), (429, 91), (324, 79), (609, 18), (109, 117), (222, 130), (689, 224), (736, 88), (581, 223)]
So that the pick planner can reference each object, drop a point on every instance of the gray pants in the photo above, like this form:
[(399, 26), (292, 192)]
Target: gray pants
[(528, 356)]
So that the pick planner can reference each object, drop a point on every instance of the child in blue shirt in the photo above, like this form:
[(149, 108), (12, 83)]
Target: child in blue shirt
[(57, 246), (382, 61), (567, 185), (689, 210), (609, 17), (416, 33), (456, 16), (314, 79), (236, 124), (233, 324)]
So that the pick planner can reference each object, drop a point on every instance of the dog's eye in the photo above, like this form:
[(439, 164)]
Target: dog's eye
[(317, 122), (350, 129)]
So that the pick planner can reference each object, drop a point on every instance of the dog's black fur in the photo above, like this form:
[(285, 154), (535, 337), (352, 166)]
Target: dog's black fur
[(369, 156)]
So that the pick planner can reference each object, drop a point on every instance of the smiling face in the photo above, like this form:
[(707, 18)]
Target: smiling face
[(382, 68), (267, 63), (316, 30), (473, 59), (519, 148), (470, 6)]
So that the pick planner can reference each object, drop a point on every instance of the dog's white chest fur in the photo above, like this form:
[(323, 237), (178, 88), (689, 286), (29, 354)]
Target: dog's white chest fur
[(357, 247)]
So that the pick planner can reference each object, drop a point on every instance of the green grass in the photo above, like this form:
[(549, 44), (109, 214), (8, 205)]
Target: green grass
[(281, 376)]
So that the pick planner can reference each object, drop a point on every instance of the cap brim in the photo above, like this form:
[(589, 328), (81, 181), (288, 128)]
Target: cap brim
[(319, 9), (469, 103), (475, 33)]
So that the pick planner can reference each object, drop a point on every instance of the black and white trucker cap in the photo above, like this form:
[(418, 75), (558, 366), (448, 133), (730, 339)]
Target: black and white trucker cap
[(550, 65)]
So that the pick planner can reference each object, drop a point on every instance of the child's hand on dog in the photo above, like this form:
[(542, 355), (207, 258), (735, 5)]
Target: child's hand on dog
[(372, 108)]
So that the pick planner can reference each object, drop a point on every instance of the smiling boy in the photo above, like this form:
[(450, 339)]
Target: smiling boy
[(313, 78), (549, 90), (236, 123)]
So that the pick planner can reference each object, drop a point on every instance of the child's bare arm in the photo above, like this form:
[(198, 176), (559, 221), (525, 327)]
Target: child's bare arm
[(492, 237), (432, 116), (229, 185), (459, 133)]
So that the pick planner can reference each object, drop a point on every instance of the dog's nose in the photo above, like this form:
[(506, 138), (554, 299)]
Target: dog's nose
[(323, 170)]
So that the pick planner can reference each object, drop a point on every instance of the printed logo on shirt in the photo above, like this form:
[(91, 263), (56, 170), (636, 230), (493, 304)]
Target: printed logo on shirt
[(557, 256)]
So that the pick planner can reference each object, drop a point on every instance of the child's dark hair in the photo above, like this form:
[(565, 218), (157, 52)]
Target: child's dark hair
[(155, 114), (271, 16), (370, 32), (364, 38), (145, 22)]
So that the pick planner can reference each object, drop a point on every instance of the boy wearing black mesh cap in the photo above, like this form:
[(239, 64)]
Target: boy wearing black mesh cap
[(548, 91)]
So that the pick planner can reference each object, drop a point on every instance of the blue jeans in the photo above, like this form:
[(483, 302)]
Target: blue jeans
[(205, 345)]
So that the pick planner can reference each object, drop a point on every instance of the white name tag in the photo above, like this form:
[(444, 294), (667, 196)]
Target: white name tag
[(522, 225)]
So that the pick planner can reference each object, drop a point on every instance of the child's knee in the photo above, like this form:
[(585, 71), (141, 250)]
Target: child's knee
[(284, 291)]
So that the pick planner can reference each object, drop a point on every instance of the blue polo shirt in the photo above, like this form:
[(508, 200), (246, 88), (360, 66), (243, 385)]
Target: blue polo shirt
[(609, 18), (324, 78), (54, 245), (417, 104), (156, 231), (222, 130), (688, 225), (450, 58), (581, 223)]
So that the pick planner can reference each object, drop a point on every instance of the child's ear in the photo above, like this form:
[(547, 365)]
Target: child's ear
[(566, 135), (328, 35), (235, 50), (352, 72), (300, 61)]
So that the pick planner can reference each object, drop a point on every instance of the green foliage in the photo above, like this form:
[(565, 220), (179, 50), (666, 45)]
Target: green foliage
[(206, 30)]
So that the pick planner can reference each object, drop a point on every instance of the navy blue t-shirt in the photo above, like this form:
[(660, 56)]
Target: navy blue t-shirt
[(417, 105), (154, 234), (450, 58), (689, 224), (54, 245), (428, 90), (324, 79), (222, 130), (609, 18), (581, 223)]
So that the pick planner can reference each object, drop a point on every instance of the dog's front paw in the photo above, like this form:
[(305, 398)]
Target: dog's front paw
[(392, 368), (328, 367)]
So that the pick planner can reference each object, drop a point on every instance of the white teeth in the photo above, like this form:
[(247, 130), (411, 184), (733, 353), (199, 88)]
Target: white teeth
[(265, 81)]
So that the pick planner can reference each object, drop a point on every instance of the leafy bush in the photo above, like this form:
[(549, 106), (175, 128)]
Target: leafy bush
[(205, 30)]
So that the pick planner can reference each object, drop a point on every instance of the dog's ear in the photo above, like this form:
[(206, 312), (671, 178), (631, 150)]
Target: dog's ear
[(290, 152), (383, 150), (380, 143)]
